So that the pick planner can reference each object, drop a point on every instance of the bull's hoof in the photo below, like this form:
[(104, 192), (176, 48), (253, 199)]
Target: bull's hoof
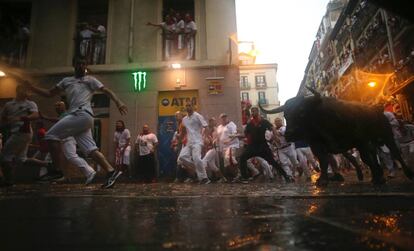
[(337, 177), (379, 181), (322, 182), (360, 175)]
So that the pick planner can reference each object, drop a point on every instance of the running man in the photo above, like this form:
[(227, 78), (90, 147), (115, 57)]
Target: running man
[(79, 90), (191, 153), (17, 114)]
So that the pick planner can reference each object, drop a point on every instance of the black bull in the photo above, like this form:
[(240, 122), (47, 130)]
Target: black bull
[(332, 126)]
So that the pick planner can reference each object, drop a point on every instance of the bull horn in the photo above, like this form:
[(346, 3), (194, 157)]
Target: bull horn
[(273, 111), (313, 91)]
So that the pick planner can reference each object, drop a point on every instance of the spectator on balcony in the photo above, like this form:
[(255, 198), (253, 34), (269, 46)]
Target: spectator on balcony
[(85, 41), (168, 31), (180, 26), (190, 30), (99, 42)]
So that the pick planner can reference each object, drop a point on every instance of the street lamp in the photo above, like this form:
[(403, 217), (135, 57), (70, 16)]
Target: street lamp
[(176, 66), (372, 84)]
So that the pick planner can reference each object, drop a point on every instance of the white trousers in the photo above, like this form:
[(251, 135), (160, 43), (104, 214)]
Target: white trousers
[(69, 150), (124, 159), (267, 168), (190, 48), (229, 156), (210, 160), (192, 154), (288, 159), (304, 155), (77, 125), (16, 147)]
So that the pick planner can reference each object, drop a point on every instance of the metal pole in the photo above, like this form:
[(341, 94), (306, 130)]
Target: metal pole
[(389, 35)]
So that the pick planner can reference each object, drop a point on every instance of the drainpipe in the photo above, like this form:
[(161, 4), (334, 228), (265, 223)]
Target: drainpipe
[(389, 35), (131, 31)]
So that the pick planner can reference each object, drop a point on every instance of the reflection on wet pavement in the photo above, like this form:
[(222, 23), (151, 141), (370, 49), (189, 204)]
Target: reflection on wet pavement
[(183, 217)]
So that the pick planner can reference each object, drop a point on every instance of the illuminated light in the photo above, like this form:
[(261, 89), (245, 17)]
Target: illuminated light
[(2, 74), (372, 84), (176, 66), (140, 80)]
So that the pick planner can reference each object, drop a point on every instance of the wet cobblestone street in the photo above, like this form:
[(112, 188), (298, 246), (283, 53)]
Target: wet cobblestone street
[(164, 216)]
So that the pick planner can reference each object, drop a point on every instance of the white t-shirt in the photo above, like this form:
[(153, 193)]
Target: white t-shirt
[(146, 143), (19, 109), (180, 26), (224, 133), (281, 136), (194, 125), (79, 92), (190, 26), (122, 137), (86, 34)]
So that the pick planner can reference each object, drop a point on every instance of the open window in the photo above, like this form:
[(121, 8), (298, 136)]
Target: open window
[(14, 32), (178, 30), (90, 37)]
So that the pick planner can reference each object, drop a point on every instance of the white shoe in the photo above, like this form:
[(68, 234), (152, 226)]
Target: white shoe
[(90, 178)]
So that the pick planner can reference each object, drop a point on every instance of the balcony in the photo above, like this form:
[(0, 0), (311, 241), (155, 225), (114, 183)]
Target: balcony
[(261, 85), (361, 17), (92, 49), (178, 46), (244, 86)]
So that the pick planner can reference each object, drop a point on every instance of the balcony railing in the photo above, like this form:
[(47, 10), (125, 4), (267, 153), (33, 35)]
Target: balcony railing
[(244, 86), (92, 49), (178, 46), (261, 85), (13, 48)]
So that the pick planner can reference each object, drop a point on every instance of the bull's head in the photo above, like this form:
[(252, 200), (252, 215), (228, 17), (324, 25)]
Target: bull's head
[(297, 113)]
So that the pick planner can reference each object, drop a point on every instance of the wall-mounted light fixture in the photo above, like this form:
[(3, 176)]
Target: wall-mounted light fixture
[(176, 66)]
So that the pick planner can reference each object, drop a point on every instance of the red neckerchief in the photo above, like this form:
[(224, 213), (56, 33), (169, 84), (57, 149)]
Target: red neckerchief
[(143, 133), (255, 121)]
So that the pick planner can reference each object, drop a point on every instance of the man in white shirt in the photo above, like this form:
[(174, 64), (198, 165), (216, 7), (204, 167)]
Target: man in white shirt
[(146, 145), (194, 124), (168, 28), (228, 142), (190, 30), (122, 138), (79, 90), (17, 114), (285, 150)]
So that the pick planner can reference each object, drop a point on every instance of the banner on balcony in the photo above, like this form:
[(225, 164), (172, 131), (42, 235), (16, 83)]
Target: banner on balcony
[(348, 62), (215, 85)]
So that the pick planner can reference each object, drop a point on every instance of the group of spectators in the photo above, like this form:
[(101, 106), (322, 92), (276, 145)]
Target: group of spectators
[(14, 41), (178, 32), (90, 40)]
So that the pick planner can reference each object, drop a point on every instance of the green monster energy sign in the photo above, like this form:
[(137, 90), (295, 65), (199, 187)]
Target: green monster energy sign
[(140, 80)]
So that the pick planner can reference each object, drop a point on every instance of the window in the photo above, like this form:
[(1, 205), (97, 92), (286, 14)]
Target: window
[(178, 30), (14, 32), (262, 98), (245, 96), (244, 82), (260, 80), (90, 38)]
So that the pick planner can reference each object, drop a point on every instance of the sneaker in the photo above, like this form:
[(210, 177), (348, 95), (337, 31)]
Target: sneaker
[(222, 180), (240, 180), (112, 178), (54, 176), (90, 178), (205, 181), (189, 180)]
